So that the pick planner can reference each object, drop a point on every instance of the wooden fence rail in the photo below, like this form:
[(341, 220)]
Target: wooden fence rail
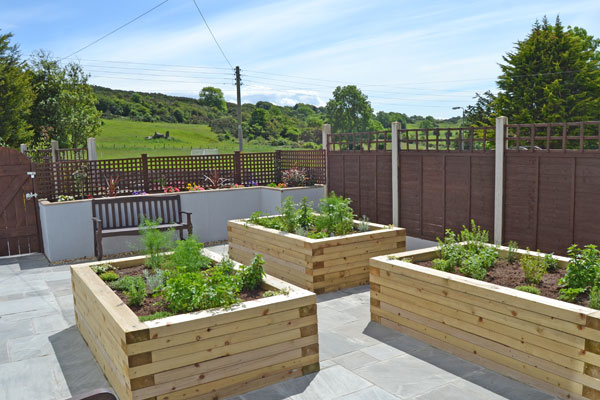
[(91, 178)]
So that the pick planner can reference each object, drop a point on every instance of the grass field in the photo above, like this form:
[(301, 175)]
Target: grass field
[(121, 138)]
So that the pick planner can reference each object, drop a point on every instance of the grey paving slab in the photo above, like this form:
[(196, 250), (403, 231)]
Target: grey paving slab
[(370, 393), (405, 376), (3, 352), (332, 345), (355, 360), (49, 323), (332, 383), (34, 378), (26, 347)]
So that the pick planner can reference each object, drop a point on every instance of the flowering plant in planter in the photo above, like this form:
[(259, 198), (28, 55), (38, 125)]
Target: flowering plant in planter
[(171, 189), (194, 187)]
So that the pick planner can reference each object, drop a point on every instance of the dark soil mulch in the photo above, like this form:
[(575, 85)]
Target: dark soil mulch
[(511, 275), (153, 304)]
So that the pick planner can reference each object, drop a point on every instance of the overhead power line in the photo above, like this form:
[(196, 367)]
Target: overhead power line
[(115, 30), (152, 64), (212, 34)]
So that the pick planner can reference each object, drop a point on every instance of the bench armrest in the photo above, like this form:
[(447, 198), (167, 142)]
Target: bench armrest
[(188, 220)]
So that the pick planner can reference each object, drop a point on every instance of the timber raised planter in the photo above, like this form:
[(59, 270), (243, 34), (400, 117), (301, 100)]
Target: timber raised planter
[(208, 354), (318, 265), (547, 343)]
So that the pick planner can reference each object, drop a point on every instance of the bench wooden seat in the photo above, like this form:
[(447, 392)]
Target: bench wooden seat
[(116, 216)]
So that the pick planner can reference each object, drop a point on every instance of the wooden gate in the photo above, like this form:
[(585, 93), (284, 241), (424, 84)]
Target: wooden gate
[(19, 217)]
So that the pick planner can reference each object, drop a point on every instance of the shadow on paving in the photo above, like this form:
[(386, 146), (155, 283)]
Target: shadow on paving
[(487, 379), (78, 366), (26, 262)]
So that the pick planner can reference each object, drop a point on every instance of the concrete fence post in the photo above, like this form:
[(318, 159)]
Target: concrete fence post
[(501, 123), (326, 133), (395, 191), (23, 147), (54, 148), (91, 149)]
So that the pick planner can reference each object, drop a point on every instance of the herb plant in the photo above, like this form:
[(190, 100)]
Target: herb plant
[(595, 298), (154, 280), (363, 225), (251, 276), (109, 276), (512, 252), (473, 256), (188, 253), (570, 294), (155, 242), (534, 267), (336, 218), (583, 270), (289, 215), (135, 291), (305, 214)]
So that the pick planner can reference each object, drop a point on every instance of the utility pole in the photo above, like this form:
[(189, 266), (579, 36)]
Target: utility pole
[(239, 108)]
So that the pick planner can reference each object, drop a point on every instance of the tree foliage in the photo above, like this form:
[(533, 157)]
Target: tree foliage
[(16, 95), (64, 103), (551, 76), (349, 110), (213, 97)]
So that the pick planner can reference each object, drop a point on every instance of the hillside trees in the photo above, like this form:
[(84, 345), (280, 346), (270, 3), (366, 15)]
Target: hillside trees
[(16, 95)]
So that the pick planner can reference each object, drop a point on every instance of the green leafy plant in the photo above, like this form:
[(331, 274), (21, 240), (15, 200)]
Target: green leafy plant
[(122, 283), (336, 216), (154, 280), (512, 252), (595, 298), (551, 262), (570, 294), (528, 289), (135, 291), (534, 267), (474, 267), (584, 267), (271, 293), (289, 215), (109, 276), (251, 276), (189, 253), (450, 250), (305, 215), (443, 265), (65, 197), (155, 242), (475, 239), (156, 315), (102, 268), (191, 291), (363, 225)]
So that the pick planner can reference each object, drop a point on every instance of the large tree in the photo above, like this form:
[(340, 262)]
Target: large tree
[(213, 97), (16, 95), (65, 104), (349, 110), (551, 76)]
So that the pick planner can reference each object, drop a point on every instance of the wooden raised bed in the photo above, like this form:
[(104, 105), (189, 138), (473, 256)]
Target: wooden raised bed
[(203, 355), (547, 343), (319, 265)]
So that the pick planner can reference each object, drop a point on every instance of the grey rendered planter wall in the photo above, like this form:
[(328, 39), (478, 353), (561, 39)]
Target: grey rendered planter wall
[(67, 226)]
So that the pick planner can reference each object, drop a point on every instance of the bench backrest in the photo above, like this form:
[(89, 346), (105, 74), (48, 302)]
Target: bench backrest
[(127, 212)]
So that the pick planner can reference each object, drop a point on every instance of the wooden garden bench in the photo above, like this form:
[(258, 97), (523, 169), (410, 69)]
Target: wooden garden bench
[(116, 216)]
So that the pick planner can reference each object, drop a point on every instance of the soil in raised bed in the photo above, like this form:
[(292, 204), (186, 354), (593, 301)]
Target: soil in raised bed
[(511, 275), (153, 304)]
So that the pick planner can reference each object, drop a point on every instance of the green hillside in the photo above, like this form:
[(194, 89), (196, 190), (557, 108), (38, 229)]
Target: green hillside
[(122, 138)]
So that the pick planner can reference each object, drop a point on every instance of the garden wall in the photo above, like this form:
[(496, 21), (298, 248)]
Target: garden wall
[(67, 229), (550, 344)]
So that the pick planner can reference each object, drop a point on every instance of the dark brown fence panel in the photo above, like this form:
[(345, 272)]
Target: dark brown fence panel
[(366, 178), (440, 191), (551, 199)]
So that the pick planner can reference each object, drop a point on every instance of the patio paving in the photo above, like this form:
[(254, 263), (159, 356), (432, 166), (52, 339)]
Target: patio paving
[(43, 356)]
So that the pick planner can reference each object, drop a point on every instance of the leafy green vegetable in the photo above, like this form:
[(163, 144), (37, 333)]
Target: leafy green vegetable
[(251, 276), (533, 267), (189, 253), (135, 291), (109, 276), (528, 289)]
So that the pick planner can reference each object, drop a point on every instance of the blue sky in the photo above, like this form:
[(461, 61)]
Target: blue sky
[(414, 57)]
